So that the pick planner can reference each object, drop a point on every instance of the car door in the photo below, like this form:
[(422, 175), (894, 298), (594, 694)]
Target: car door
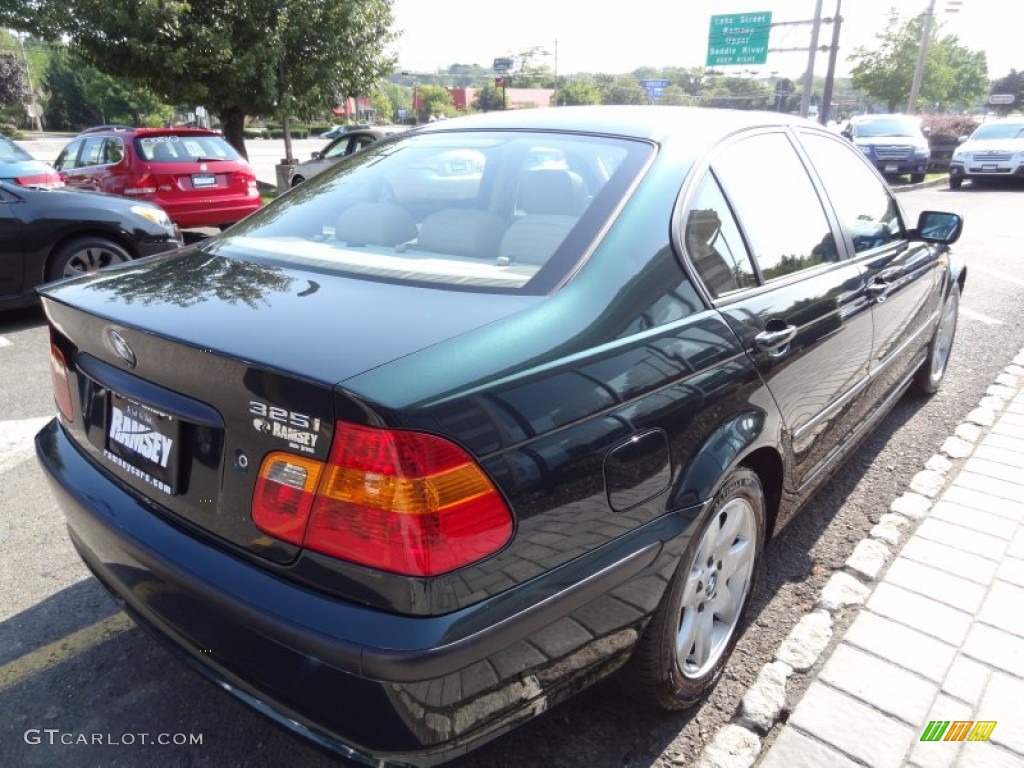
[(12, 246), (67, 161), (904, 278), (757, 233)]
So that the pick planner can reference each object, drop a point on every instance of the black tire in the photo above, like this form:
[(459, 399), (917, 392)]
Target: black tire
[(955, 182), (929, 376), (82, 255), (296, 180), (659, 674), (916, 178)]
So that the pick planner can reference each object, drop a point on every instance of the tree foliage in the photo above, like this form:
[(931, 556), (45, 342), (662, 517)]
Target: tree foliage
[(953, 76), (236, 57), (434, 101), (489, 98), (1012, 83), (579, 91), (81, 95), (13, 89)]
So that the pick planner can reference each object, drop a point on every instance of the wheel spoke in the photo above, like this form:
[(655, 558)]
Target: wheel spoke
[(703, 642), (737, 558)]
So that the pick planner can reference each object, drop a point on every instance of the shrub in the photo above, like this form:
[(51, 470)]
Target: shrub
[(948, 127), (10, 130)]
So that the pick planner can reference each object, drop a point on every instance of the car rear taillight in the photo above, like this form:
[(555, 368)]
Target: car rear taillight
[(284, 495), (61, 383), (41, 180), (398, 501), (144, 185)]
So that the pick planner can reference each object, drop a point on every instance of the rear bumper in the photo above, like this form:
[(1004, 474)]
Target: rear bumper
[(210, 212), (364, 683)]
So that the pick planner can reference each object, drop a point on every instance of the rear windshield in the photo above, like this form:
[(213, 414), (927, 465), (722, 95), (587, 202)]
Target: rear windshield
[(494, 211), (12, 153), (174, 148)]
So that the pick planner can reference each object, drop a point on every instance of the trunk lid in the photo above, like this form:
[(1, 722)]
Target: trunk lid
[(187, 370)]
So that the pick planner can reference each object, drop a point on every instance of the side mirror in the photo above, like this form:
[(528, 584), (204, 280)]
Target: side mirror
[(962, 139), (315, 155), (926, 131), (846, 133), (938, 227)]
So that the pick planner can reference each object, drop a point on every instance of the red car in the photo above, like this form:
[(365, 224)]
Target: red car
[(192, 173)]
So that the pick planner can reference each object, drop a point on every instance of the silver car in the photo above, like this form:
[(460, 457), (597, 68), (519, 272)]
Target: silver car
[(341, 147), (994, 151)]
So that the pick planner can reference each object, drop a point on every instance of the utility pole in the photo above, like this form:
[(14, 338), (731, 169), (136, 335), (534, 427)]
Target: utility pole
[(805, 102), (922, 56), (32, 106), (830, 76)]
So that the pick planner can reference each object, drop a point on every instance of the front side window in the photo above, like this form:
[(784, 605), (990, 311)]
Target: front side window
[(68, 157), (776, 205), (865, 206), (458, 208)]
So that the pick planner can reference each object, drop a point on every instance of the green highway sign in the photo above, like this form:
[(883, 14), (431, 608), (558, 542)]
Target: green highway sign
[(739, 38)]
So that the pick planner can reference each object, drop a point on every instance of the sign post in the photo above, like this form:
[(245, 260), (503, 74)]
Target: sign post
[(739, 38)]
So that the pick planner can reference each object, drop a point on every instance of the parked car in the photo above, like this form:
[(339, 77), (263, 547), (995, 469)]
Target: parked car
[(19, 167), (348, 142), (476, 452), (995, 150), (338, 130), (192, 173), (49, 234), (895, 144)]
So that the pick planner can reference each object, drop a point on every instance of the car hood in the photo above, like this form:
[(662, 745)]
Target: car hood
[(990, 145), (282, 317)]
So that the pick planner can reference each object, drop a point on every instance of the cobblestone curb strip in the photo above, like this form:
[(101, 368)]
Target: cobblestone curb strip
[(909, 688)]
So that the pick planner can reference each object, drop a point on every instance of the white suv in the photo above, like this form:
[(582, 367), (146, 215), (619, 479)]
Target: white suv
[(994, 150)]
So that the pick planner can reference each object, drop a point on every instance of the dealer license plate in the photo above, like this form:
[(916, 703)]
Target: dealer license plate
[(143, 441)]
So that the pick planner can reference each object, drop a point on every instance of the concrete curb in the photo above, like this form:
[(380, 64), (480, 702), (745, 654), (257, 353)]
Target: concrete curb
[(764, 705)]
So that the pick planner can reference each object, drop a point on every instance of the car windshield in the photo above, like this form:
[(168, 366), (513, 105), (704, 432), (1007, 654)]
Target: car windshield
[(999, 131), (179, 148), (494, 211), (11, 152), (888, 127)]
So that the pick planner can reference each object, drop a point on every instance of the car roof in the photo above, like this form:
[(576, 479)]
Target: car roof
[(100, 129), (643, 122)]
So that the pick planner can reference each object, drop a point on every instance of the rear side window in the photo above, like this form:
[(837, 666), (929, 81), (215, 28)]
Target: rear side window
[(175, 148), (776, 204), (864, 204), (713, 242), (92, 152)]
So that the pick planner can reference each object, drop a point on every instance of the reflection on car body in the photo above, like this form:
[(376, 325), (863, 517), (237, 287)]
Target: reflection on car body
[(517, 436)]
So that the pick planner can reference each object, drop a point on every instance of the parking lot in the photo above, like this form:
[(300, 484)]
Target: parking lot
[(83, 686)]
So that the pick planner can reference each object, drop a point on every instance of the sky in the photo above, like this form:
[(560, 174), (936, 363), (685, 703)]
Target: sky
[(622, 36)]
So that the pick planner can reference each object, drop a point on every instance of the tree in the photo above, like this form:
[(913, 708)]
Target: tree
[(1012, 84), (236, 57), (12, 80), (620, 89), (81, 95), (489, 98), (434, 100), (953, 75), (579, 91)]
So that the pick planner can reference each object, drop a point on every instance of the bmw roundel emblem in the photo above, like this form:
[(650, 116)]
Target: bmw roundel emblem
[(121, 348)]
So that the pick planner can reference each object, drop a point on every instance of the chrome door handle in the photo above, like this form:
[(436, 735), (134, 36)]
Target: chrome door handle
[(766, 341)]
